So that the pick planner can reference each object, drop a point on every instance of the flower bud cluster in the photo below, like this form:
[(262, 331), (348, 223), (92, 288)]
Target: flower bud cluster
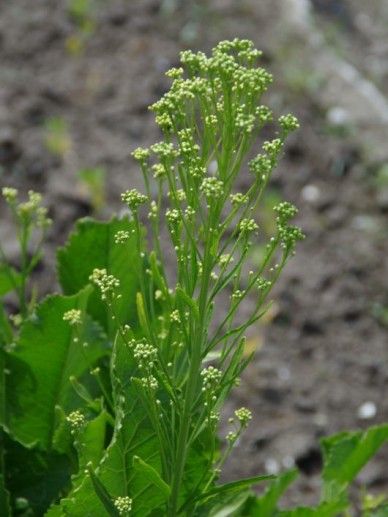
[(211, 378), (244, 416), (173, 216), (187, 145), (9, 194), (145, 353), (245, 120), (133, 198), (175, 316), (141, 154), (31, 211), (213, 188), (159, 171), (288, 123), (288, 234), (237, 294), (108, 284), (225, 259), (263, 284), (261, 166), (149, 382), (248, 226), (73, 316), (121, 237), (76, 420), (123, 505), (231, 437), (238, 199), (273, 148), (263, 114), (164, 121), (164, 150), (285, 211)]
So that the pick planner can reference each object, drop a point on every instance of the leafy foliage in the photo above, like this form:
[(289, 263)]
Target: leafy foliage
[(35, 387)]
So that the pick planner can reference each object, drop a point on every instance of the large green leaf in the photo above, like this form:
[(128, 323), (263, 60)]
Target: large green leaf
[(133, 436), (345, 454), (92, 245), (48, 352)]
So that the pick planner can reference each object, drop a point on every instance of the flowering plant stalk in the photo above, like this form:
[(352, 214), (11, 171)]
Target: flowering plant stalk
[(111, 393), (187, 364)]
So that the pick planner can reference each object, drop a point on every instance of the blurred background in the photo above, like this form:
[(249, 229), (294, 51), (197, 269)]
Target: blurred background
[(76, 78)]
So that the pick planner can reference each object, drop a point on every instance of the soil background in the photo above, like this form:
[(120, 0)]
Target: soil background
[(321, 365)]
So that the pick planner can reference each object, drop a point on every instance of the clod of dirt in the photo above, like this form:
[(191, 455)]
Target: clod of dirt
[(310, 462), (9, 147)]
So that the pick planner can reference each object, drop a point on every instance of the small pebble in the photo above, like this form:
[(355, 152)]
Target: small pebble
[(338, 116), (284, 373), (272, 466), (310, 193), (367, 410), (288, 462)]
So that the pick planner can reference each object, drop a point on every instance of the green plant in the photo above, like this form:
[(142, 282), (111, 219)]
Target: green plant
[(114, 389), (94, 181), (83, 15), (57, 136), (32, 222)]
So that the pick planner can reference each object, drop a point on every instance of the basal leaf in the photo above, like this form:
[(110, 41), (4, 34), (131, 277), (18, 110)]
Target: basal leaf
[(48, 352), (92, 245)]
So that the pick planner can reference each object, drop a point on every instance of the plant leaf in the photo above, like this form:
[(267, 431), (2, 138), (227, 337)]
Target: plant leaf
[(103, 494), (133, 436), (151, 475), (35, 386), (345, 454), (325, 509), (266, 505), (37, 476), (236, 485), (9, 279), (92, 246)]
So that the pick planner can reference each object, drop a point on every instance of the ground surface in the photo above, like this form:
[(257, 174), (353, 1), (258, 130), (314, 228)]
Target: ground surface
[(325, 352)]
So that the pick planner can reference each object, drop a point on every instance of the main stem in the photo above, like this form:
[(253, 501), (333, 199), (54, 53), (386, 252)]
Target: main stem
[(191, 386)]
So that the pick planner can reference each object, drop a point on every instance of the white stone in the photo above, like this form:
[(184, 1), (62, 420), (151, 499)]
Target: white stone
[(367, 410)]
